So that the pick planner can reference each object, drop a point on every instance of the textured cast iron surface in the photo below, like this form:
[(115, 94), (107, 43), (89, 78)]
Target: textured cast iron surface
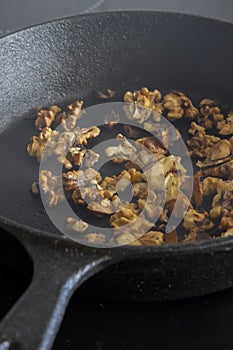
[(70, 58)]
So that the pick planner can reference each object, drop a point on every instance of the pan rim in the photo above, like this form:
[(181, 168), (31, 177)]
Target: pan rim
[(225, 243), (122, 12)]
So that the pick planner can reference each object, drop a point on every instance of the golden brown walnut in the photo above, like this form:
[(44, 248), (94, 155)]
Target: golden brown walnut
[(153, 145), (223, 171), (51, 187), (150, 238), (123, 217), (156, 173), (112, 119), (196, 234), (210, 114), (150, 100), (110, 94), (84, 134), (171, 237), (197, 190), (97, 238), (69, 118), (178, 105), (193, 219), (200, 144), (76, 225), (38, 143), (75, 178), (218, 153), (122, 151), (45, 117), (225, 127)]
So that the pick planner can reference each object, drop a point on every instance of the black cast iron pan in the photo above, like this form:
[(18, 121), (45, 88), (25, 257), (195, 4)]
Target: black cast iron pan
[(56, 63)]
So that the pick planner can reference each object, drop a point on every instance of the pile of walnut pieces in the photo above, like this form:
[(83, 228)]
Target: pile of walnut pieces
[(210, 144)]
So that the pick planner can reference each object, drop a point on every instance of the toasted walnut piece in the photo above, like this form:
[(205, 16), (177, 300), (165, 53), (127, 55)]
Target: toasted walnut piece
[(152, 144), (122, 217), (122, 151), (197, 190), (150, 238), (196, 234), (112, 119), (210, 114), (179, 105), (140, 190), (95, 238), (110, 94), (104, 206), (69, 118), (76, 225), (45, 117), (52, 187), (150, 205), (38, 143), (84, 134), (155, 173), (135, 176), (224, 171), (130, 131), (35, 187), (171, 237), (218, 153), (75, 178), (200, 144), (179, 205), (225, 127), (150, 100), (172, 185), (193, 219), (228, 232)]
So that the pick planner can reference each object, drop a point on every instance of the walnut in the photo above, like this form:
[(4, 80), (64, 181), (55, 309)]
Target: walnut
[(179, 205), (210, 114), (75, 178), (38, 143), (178, 105), (171, 237), (172, 186), (210, 185), (193, 219), (124, 150), (228, 232), (95, 238), (201, 143), (35, 187), (223, 171), (103, 206), (112, 119), (69, 118), (86, 157), (155, 173), (85, 134), (197, 190), (123, 217), (225, 127), (51, 187), (150, 238), (45, 117), (130, 131), (63, 143), (153, 145), (150, 100), (217, 154), (110, 94), (196, 234), (150, 205), (76, 225), (129, 234)]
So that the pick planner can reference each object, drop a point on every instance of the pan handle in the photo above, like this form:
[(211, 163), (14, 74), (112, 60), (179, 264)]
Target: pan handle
[(33, 322)]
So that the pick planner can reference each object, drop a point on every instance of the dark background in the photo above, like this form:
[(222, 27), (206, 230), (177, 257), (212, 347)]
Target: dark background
[(199, 323)]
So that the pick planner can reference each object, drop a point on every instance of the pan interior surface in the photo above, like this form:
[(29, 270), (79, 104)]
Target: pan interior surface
[(61, 61)]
